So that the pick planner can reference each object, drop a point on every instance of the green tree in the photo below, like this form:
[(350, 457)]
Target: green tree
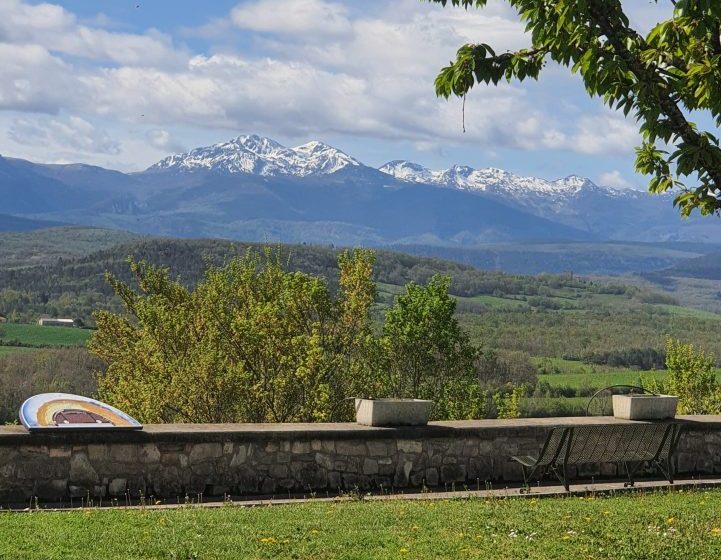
[(691, 376), (661, 78), (427, 353), (250, 343)]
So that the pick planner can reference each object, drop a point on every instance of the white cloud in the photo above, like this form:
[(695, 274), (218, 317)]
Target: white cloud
[(71, 133), (607, 133), (31, 79), (55, 29), (311, 18), (163, 140), (615, 179), (316, 68)]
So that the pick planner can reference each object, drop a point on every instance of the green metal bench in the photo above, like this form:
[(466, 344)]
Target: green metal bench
[(632, 445)]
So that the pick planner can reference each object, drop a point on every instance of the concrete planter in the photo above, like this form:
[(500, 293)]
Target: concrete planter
[(392, 412), (644, 407)]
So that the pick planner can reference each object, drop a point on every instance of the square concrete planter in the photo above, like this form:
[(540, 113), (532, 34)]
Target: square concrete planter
[(644, 407), (392, 412)]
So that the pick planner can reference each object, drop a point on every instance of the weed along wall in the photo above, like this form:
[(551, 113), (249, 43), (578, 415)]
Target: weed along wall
[(172, 461)]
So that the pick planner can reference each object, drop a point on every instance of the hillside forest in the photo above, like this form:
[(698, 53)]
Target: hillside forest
[(559, 336)]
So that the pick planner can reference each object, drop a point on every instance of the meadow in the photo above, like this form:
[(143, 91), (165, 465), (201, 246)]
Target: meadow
[(659, 525), (33, 335)]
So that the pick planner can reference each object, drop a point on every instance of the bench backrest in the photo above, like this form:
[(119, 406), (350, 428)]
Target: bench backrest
[(615, 443), (609, 443)]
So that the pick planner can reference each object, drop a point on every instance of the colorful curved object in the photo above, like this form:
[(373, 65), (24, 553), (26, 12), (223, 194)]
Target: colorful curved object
[(53, 411)]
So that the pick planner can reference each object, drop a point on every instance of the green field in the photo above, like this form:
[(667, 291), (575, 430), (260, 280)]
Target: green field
[(35, 335), (568, 373), (5, 350), (651, 526)]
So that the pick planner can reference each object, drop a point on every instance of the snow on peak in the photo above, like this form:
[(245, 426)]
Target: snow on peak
[(260, 156), (490, 179), (324, 159)]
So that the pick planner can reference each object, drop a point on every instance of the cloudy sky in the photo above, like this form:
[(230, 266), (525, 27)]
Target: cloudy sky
[(123, 83)]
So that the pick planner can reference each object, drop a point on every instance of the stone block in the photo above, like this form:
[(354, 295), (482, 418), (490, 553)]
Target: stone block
[(316, 445), (51, 489), (98, 452), (370, 466), (324, 461), (282, 457), (377, 448), (686, 462), (352, 481), (240, 456), (247, 479), (351, 448), (124, 453), (60, 452), (206, 468), (409, 446), (118, 487), (310, 476), (268, 487), (453, 473), (81, 471), (8, 471), (328, 445), (272, 447), (75, 491), (299, 447), (402, 473), (205, 452), (335, 480), (480, 468), (278, 471), (470, 449), (149, 453), (228, 448), (431, 476)]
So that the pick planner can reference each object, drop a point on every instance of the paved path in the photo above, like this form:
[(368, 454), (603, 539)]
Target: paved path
[(544, 491)]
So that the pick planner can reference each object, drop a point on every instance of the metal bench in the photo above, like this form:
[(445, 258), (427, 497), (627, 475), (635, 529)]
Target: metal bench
[(632, 445)]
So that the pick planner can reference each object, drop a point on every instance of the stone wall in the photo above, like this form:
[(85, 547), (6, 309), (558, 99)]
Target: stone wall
[(172, 461)]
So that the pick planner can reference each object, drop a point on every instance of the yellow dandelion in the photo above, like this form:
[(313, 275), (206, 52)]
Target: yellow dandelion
[(404, 550), (267, 540), (314, 531), (716, 531), (670, 520), (414, 527), (565, 537), (606, 512)]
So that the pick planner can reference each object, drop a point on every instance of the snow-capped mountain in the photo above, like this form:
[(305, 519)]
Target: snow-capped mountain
[(565, 200), (255, 188), (488, 180), (260, 156)]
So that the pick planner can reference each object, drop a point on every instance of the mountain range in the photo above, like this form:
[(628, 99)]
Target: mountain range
[(254, 188)]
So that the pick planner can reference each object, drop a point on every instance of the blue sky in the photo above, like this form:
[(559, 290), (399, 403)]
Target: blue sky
[(124, 83)]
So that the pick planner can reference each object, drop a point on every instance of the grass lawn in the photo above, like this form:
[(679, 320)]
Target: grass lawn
[(651, 526), (36, 335)]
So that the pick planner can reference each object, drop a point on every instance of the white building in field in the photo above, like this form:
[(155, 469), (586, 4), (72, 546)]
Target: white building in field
[(48, 322)]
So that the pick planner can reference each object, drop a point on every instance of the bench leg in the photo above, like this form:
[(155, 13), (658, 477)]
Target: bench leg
[(560, 472), (666, 469), (631, 468)]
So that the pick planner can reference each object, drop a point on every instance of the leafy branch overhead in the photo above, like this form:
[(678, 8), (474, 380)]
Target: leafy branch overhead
[(661, 78)]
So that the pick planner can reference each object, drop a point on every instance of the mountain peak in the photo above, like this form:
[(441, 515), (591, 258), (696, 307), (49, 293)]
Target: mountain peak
[(259, 155)]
